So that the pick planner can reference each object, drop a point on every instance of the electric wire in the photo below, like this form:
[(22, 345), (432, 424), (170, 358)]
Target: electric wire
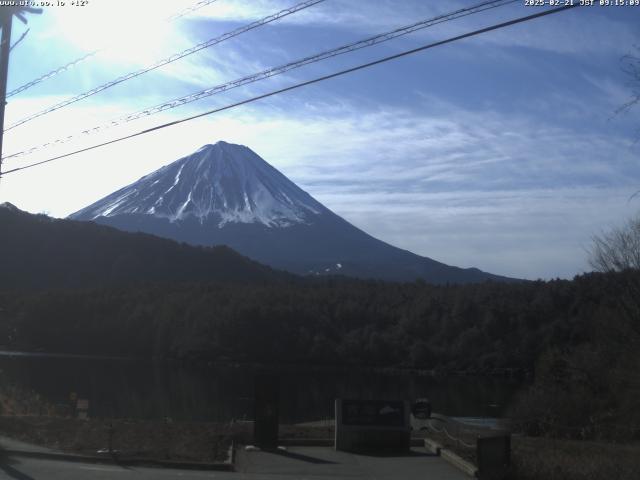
[(189, 10), (22, 37), (52, 73), (303, 84), (348, 48), (93, 53), (168, 60)]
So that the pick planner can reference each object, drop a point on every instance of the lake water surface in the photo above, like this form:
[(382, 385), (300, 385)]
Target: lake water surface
[(146, 390)]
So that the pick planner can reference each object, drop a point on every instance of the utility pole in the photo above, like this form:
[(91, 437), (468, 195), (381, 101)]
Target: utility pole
[(5, 48), (6, 21)]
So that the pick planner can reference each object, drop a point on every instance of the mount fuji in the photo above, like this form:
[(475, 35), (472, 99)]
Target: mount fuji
[(227, 194)]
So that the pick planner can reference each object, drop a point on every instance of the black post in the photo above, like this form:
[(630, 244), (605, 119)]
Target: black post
[(494, 457), (266, 413), (6, 17)]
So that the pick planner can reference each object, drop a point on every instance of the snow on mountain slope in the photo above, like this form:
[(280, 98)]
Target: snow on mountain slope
[(222, 182), (225, 194)]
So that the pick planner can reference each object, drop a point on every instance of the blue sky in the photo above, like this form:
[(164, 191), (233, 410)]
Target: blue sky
[(501, 151)]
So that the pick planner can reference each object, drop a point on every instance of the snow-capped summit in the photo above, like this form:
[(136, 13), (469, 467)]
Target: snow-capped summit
[(223, 182), (225, 194)]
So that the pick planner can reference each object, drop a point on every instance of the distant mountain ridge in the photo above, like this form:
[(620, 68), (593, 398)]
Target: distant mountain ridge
[(223, 182), (40, 252), (225, 194)]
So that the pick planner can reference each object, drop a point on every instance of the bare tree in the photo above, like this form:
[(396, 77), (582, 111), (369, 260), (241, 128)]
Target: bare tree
[(631, 66), (618, 249)]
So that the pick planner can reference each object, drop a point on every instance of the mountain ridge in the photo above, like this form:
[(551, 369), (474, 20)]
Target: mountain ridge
[(222, 179), (41, 252), (226, 194)]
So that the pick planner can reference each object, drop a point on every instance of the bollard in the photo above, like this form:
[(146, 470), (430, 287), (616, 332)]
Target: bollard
[(494, 457), (266, 411), (110, 433)]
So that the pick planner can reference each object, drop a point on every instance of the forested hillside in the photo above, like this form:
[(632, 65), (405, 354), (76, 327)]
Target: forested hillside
[(476, 328), (42, 252)]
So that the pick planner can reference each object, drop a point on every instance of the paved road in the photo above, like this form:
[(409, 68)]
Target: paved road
[(322, 463), (319, 463), (38, 469)]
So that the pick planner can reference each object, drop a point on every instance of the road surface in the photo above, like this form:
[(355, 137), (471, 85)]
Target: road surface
[(319, 463)]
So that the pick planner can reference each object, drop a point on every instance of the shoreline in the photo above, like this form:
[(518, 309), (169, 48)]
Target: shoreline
[(515, 373)]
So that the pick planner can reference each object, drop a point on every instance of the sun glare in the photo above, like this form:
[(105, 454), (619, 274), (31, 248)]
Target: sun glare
[(125, 32)]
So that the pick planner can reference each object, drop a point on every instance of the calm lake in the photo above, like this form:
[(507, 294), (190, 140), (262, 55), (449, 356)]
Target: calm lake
[(146, 390)]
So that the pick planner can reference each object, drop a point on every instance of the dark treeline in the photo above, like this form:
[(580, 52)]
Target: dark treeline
[(590, 389), (475, 328), (581, 337), (40, 252)]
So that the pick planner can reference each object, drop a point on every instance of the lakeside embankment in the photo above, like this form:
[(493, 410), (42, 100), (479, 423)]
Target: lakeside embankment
[(532, 458), (206, 442)]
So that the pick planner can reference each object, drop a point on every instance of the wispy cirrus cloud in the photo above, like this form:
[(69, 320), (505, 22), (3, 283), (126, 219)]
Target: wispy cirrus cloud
[(498, 153), (470, 188), (565, 33)]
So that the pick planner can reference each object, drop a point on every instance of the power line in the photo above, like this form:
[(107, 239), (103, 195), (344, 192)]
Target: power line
[(52, 73), (190, 10), (303, 84), (306, 61), (6, 24), (89, 55), (171, 59), (22, 37), (351, 47)]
